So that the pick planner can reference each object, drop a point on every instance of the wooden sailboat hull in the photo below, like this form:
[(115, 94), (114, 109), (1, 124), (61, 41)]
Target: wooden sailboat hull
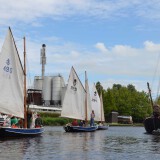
[(80, 129), (102, 127), (20, 132), (151, 123)]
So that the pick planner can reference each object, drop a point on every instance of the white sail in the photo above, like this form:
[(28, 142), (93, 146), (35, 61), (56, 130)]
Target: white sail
[(96, 104), (88, 98), (11, 79), (102, 109), (74, 100)]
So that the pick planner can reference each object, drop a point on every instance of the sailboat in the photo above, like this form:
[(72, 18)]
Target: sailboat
[(152, 124), (13, 89), (76, 103), (97, 106)]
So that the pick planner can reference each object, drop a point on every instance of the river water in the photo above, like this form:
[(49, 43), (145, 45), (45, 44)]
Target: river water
[(116, 143)]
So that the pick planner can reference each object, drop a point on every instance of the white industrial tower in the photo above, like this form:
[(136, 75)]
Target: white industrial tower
[(43, 59)]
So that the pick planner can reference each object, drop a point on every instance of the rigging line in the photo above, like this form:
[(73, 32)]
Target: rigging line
[(158, 88), (156, 69), (159, 76), (29, 75), (155, 73)]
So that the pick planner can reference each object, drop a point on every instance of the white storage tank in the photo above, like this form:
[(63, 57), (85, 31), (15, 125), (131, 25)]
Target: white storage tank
[(46, 92), (38, 82), (63, 91), (57, 84)]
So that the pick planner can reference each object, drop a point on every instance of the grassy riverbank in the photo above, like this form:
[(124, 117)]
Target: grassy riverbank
[(120, 124), (54, 119)]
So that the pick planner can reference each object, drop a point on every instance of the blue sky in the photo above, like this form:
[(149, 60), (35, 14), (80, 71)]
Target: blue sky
[(115, 41)]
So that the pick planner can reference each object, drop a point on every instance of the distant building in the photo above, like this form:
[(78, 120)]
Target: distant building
[(114, 117), (125, 119)]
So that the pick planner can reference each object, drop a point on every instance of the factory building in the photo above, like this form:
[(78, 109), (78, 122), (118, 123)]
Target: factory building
[(48, 91)]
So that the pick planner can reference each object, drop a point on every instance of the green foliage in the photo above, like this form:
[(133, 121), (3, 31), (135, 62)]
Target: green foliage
[(126, 101), (99, 87), (53, 119), (48, 114), (157, 101), (50, 121)]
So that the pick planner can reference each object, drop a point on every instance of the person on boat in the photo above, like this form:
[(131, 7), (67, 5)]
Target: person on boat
[(2, 119), (156, 111), (75, 123), (38, 122), (7, 122), (92, 118), (20, 123), (14, 122), (81, 123), (29, 118), (100, 123), (34, 116)]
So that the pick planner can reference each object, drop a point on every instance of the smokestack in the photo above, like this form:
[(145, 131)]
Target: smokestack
[(43, 59)]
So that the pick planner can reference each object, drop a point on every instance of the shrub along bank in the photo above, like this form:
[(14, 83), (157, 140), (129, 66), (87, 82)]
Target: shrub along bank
[(53, 119)]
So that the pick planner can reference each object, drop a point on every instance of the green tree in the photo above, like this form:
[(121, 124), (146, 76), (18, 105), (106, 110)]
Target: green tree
[(126, 101), (99, 87)]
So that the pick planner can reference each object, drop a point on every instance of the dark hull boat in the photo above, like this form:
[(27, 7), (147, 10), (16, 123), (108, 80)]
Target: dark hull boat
[(13, 89), (20, 132), (76, 103), (151, 124), (80, 129)]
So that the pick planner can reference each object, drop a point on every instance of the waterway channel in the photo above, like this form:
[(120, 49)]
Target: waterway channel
[(116, 143)]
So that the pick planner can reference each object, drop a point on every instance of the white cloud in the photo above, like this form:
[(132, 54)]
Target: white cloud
[(151, 47), (101, 47), (124, 50), (29, 11)]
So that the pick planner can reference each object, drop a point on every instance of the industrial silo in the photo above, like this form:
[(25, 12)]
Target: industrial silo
[(57, 84), (47, 90), (63, 91), (38, 82)]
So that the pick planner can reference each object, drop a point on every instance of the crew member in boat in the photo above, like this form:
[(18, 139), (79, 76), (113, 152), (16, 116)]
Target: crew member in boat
[(92, 118), (14, 122), (29, 118), (75, 123), (20, 123), (100, 123), (38, 122), (2, 119), (34, 116), (81, 123), (156, 111)]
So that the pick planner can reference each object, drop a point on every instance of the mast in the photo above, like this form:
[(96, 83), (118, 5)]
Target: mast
[(150, 94), (102, 107), (101, 104), (86, 96), (25, 110)]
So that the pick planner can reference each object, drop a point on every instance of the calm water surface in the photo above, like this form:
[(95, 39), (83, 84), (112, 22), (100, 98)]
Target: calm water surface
[(130, 143)]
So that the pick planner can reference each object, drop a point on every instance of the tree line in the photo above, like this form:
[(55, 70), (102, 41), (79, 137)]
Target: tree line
[(125, 100)]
